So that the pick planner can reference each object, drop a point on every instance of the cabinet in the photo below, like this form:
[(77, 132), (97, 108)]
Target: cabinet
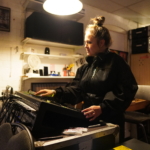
[(140, 68), (53, 28)]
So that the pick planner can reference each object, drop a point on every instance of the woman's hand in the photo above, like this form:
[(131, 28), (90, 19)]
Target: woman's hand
[(92, 112), (45, 92)]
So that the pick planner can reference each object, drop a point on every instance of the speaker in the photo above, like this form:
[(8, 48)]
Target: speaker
[(53, 28), (141, 45), (47, 50), (45, 71), (139, 33)]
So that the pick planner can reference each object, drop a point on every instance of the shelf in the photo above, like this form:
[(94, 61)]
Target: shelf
[(27, 81), (48, 43), (49, 77), (54, 56)]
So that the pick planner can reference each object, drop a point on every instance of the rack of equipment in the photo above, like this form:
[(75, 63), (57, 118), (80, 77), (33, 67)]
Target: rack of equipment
[(140, 40)]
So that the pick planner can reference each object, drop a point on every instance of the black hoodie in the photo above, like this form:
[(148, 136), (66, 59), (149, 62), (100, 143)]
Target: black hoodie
[(105, 80)]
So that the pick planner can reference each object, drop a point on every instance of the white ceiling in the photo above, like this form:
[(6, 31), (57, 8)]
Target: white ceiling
[(135, 10)]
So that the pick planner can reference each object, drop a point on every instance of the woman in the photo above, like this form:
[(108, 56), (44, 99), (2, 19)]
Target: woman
[(105, 83)]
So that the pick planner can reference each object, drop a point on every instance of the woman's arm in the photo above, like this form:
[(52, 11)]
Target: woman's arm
[(72, 93)]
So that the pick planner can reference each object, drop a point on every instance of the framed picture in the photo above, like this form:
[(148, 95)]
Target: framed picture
[(124, 55), (4, 19)]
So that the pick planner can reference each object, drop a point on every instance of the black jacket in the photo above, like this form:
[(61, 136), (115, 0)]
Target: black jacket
[(105, 80)]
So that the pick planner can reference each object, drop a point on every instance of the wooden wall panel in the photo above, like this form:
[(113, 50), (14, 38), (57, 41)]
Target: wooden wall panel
[(140, 66), (135, 67)]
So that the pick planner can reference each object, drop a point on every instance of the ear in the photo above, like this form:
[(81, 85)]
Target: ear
[(101, 43)]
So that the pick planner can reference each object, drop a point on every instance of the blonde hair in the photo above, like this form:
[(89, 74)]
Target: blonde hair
[(97, 30)]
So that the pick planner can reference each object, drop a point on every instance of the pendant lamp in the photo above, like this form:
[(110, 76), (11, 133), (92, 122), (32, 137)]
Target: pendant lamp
[(62, 7)]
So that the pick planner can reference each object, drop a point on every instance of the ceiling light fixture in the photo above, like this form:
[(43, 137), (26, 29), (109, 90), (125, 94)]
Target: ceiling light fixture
[(62, 7)]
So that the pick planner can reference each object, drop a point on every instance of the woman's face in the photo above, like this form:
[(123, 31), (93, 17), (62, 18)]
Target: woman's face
[(92, 45)]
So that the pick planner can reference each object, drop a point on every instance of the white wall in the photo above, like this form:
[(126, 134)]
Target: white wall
[(112, 20), (117, 26), (11, 47)]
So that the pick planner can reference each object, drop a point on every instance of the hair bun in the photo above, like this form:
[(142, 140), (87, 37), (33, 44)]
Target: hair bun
[(99, 20)]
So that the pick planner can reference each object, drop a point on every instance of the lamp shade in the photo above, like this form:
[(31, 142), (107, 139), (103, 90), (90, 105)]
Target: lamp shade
[(62, 7)]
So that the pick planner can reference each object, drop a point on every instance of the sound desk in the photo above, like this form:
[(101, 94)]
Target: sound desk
[(46, 117)]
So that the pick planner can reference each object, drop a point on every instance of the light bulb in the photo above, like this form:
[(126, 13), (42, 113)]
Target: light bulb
[(62, 7)]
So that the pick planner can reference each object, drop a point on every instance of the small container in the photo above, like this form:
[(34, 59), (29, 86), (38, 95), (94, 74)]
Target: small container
[(41, 72), (65, 73), (47, 50)]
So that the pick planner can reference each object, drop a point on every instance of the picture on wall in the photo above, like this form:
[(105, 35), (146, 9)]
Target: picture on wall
[(124, 55), (4, 19)]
